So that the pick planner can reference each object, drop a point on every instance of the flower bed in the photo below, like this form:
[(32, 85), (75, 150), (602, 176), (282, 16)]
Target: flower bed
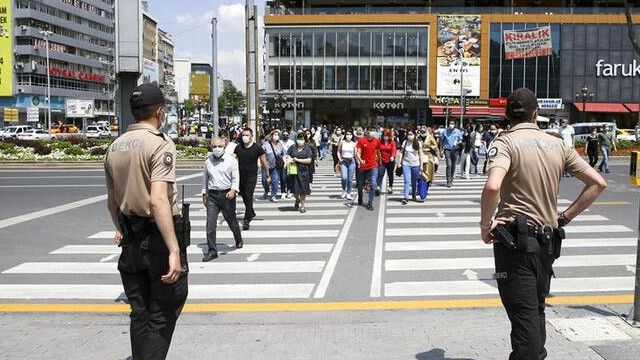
[(77, 149)]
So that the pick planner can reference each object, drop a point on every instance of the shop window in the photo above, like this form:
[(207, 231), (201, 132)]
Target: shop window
[(387, 79), (307, 78), (423, 47), (376, 78), (329, 78), (318, 45), (285, 78), (412, 44), (354, 45), (307, 44), (388, 45), (365, 78), (422, 78), (399, 79), (318, 78), (365, 44), (400, 44), (377, 44), (353, 78), (412, 77), (342, 45), (330, 45), (341, 78), (285, 45)]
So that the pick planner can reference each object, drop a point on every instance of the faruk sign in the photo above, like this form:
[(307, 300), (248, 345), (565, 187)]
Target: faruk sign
[(614, 70)]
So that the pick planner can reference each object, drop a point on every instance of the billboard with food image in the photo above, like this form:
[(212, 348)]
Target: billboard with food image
[(458, 40)]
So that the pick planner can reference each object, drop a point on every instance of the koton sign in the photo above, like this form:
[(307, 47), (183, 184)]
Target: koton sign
[(613, 70), (528, 43)]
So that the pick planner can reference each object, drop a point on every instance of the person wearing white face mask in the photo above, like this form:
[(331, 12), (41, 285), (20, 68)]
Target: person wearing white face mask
[(346, 154), (249, 154), (221, 180), (301, 155)]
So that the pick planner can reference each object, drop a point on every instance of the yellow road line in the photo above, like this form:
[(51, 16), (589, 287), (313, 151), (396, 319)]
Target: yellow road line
[(315, 306), (603, 203)]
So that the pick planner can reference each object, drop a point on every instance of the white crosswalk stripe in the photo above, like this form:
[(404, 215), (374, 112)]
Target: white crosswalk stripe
[(285, 256), (431, 247)]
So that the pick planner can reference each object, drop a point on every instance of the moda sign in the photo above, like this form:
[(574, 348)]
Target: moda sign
[(604, 69)]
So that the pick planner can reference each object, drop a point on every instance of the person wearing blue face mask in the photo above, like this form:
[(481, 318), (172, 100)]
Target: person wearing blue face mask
[(451, 140), (221, 183)]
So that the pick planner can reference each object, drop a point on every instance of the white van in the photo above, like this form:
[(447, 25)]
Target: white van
[(584, 129), (13, 131)]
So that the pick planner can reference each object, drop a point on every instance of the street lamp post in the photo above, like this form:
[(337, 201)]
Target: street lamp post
[(408, 97), (584, 95), (447, 112), (46, 34)]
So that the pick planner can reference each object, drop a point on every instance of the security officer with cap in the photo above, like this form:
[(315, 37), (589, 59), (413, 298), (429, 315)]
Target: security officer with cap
[(142, 201), (525, 168)]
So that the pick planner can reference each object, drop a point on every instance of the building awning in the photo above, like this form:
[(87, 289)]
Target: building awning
[(602, 107), (633, 107), (455, 111)]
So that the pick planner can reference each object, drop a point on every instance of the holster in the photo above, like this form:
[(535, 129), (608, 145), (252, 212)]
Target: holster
[(529, 238)]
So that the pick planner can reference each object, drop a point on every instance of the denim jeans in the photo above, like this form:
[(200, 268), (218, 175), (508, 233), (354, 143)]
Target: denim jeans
[(389, 169), (452, 159), (348, 169), (410, 175), (363, 175), (275, 181), (323, 149), (604, 165)]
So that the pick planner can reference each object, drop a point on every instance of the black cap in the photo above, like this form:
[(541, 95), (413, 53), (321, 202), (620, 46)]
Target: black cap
[(146, 94), (521, 104)]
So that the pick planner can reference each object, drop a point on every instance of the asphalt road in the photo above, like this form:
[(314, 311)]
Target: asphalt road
[(57, 244)]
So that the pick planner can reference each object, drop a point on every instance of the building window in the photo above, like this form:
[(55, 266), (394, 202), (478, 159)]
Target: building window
[(353, 77), (318, 78), (342, 44), (329, 78), (387, 80), (365, 78), (341, 78)]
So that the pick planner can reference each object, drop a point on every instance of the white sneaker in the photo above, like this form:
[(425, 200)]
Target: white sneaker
[(288, 195), (344, 195), (467, 177), (349, 197)]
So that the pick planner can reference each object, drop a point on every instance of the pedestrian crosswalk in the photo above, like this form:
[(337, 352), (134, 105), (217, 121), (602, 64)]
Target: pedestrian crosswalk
[(287, 255), (433, 249)]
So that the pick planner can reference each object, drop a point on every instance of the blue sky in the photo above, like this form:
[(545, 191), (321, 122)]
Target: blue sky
[(189, 21)]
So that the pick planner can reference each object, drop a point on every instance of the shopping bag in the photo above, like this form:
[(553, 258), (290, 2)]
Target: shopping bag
[(292, 168), (423, 188)]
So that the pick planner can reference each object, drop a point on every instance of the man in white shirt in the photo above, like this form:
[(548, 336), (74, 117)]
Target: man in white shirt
[(221, 183), (568, 133)]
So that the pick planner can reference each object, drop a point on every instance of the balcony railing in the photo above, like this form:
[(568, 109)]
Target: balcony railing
[(272, 10)]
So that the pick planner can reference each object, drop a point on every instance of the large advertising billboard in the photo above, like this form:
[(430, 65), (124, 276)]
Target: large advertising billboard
[(150, 71), (527, 43), (80, 108), (458, 41), (6, 49), (200, 85)]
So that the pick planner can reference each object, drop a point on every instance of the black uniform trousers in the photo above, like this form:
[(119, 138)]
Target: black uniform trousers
[(217, 203), (155, 306), (523, 280), (247, 188)]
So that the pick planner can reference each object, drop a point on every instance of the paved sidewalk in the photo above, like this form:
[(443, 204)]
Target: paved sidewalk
[(480, 334)]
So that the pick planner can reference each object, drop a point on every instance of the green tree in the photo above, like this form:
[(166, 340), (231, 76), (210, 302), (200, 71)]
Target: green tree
[(189, 107), (230, 101)]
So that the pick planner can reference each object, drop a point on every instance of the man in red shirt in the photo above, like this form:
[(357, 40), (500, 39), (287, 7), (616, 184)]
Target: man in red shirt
[(369, 160)]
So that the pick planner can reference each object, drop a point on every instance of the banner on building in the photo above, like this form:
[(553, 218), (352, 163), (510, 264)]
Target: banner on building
[(6, 49), (459, 48), (150, 71), (550, 104), (527, 43), (11, 115), (79, 108), (33, 114), (200, 85)]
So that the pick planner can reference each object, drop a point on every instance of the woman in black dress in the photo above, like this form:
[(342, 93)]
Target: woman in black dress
[(308, 137), (302, 155)]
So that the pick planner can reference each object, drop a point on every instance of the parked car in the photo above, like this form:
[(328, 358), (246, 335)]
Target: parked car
[(35, 134), (14, 131), (584, 129), (626, 135), (94, 131)]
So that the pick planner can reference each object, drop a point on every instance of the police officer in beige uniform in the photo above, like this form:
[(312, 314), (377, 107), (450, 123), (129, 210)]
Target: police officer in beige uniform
[(141, 183), (525, 168)]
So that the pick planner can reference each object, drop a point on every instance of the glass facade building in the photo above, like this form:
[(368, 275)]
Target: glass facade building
[(347, 60)]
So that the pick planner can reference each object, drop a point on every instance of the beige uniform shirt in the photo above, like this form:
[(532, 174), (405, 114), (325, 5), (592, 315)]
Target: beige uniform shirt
[(136, 159), (535, 162)]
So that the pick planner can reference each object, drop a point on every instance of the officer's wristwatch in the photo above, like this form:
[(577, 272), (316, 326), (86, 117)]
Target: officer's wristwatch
[(563, 220)]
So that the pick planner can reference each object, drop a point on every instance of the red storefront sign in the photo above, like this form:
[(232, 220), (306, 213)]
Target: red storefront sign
[(71, 74), (499, 102)]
